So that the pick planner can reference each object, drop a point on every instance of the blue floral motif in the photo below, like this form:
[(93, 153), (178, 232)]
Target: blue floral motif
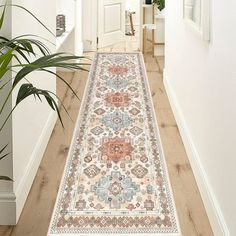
[(118, 59), (115, 189), (117, 120), (117, 83)]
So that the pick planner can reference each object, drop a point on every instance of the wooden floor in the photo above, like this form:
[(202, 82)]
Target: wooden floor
[(35, 218)]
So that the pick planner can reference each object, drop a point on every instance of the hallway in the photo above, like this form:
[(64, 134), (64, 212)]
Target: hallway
[(193, 88), (36, 215)]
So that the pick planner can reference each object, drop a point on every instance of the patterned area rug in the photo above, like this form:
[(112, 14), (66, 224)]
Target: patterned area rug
[(115, 180)]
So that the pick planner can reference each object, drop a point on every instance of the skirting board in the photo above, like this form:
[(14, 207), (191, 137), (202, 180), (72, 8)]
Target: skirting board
[(213, 210), (13, 203)]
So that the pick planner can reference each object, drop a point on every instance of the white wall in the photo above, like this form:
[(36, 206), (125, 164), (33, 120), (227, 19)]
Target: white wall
[(89, 27), (200, 79), (66, 8), (31, 117), (32, 121), (71, 40), (78, 28)]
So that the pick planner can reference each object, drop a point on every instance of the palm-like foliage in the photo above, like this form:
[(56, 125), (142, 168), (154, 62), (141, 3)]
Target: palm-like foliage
[(31, 55)]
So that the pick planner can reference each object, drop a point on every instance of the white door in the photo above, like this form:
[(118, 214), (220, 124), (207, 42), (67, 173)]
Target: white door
[(111, 22)]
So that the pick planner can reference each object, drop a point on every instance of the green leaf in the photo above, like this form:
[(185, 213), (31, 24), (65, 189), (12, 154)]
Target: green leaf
[(1, 151), (29, 12), (41, 64), (160, 4), (68, 85), (28, 89), (24, 47), (49, 61), (5, 178), (4, 156), (5, 59)]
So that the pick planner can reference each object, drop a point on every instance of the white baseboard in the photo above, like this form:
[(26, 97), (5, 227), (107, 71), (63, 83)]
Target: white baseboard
[(12, 203), (213, 210), (7, 208)]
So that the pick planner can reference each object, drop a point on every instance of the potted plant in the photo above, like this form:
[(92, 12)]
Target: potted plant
[(30, 54), (148, 2), (160, 4)]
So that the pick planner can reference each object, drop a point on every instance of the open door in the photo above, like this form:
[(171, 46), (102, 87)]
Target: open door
[(111, 22)]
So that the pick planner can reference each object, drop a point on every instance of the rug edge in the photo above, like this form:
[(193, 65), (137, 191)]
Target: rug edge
[(73, 140), (161, 148)]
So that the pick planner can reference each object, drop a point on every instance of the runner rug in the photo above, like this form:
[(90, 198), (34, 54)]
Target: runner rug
[(115, 181)]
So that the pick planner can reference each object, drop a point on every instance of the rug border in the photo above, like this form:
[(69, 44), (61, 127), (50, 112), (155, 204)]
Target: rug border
[(72, 147), (73, 141), (161, 147)]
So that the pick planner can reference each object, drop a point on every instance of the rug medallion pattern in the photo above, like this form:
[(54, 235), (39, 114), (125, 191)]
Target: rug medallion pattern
[(115, 181)]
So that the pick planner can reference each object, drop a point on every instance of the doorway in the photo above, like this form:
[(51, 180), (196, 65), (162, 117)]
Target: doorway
[(108, 22)]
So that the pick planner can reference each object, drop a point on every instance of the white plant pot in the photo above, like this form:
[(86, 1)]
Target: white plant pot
[(161, 13)]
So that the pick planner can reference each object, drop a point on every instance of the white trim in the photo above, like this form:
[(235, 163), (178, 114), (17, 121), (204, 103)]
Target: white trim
[(7, 196), (26, 181), (12, 203), (60, 40), (214, 213), (8, 206)]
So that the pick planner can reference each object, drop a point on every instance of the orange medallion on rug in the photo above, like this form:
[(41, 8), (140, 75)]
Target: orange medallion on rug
[(118, 99), (116, 149)]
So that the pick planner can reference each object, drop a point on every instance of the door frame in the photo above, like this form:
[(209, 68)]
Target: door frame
[(90, 24)]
